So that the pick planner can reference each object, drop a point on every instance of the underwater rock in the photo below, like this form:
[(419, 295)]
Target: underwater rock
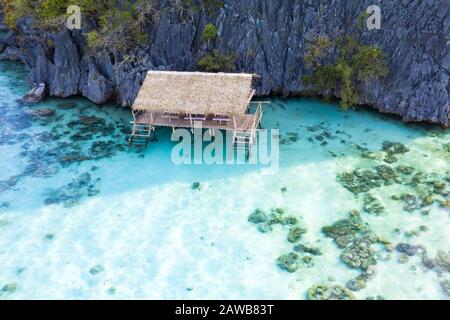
[(96, 269), (307, 249), (90, 120), (443, 261), (444, 203), (288, 262), (407, 249), (410, 202), (81, 137), (418, 178), (92, 191), (445, 285), (378, 297), (9, 288), (4, 205), (258, 216), (264, 227), (71, 193), (35, 95), (344, 231), (359, 181), (322, 292), (73, 157), (372, 205), (102, 149), (295, 234), (291, 137), (406, 170), (49, 236), (390, 159), (276, 216), (92, 125), (265, 222), (44, 112), (356, 284), (386, 173), (369, 155), (289, 220), (393, 148), (196, 186), (359, 255), (308, 261), (8, 184), (403, 258), (428, 263), (439, 185), (66, 105)]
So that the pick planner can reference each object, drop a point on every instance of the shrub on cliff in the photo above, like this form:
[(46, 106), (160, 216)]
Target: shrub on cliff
[(356, 64), (120, 23), (217, 62)]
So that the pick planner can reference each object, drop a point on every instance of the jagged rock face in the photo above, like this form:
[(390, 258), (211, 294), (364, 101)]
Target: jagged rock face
[(270, 38)]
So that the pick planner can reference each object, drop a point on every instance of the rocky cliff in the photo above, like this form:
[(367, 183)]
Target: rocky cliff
[(270, 38)]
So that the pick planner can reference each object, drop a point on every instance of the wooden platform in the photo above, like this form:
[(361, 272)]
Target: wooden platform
[(243, 126), (244, 122)]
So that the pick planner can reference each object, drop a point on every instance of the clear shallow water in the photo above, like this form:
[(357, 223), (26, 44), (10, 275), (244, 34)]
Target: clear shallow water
[(83, 219)]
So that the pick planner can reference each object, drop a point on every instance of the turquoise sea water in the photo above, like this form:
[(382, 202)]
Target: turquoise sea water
[(81, 216)]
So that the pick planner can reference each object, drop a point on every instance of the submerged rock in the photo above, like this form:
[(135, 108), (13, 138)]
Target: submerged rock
[(359, 255), (359, 181), (356, 284), (71, 193), (258, 216), (35, 95), (443, 261), (307, 249), (346, 231), (446, 147), (445, 285), (45, 112), (407, 249), (9, 288), (264, 227), (392, 148), (288, 262), (4, 205), (322, 292), (196, 186), (372, 205), (390, 159), (295, 234), (386, 173), (406, 170), (96, 269)]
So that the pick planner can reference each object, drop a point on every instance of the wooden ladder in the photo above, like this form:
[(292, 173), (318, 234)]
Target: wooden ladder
[(243, 140), (140, 134)]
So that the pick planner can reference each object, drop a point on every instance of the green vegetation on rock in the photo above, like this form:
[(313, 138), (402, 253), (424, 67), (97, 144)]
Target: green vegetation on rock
[(120, 25), (216, 61), (356, 65)]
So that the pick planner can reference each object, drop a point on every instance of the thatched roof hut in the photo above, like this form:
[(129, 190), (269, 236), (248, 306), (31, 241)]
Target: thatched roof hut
[(195, 93)]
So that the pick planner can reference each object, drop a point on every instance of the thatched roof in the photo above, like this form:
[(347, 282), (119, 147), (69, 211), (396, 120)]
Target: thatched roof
[(195, 92)]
